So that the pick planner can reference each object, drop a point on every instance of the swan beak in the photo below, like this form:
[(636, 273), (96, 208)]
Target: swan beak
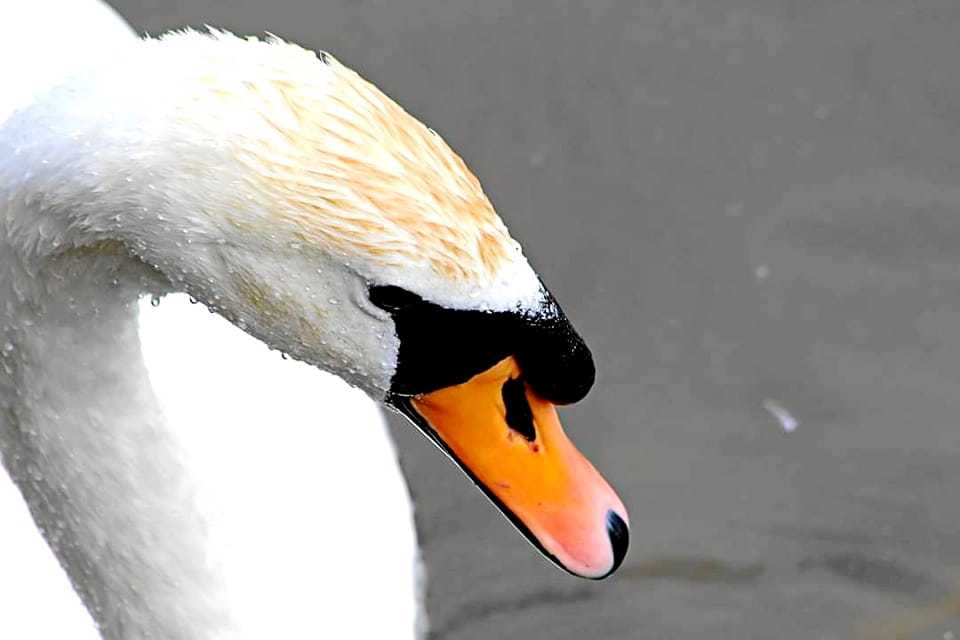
[(510, 442)]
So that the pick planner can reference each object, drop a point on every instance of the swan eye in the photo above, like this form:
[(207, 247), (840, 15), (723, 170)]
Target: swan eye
[(391, 298), (519, 415)]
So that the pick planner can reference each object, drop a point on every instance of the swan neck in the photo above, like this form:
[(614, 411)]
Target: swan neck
[(83, 437)]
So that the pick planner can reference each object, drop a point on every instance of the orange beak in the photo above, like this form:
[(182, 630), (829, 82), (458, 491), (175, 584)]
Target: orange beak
[(510, 442)]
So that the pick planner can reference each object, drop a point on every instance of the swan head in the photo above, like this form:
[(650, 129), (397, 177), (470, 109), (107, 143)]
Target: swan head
[(290, 195)]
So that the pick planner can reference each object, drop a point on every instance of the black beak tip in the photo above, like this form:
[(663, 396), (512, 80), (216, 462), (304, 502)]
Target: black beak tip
[(619, 534)]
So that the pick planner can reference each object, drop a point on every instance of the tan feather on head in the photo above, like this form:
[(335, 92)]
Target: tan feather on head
[(363, 176)]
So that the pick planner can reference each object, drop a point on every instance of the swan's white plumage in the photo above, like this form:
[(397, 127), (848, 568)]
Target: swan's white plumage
[(309, 514), (43, 40), (304, 490), (36, 599), (308, 511)]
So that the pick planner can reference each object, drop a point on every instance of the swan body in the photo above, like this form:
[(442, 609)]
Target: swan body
[(292, 198)]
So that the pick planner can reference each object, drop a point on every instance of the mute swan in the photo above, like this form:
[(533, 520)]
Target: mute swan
[(290, 196)]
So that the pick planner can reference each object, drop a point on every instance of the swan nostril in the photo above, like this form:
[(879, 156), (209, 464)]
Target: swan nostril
[(619, 534), (519, 416)]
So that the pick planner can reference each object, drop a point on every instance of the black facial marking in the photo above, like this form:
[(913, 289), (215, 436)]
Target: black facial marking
[(519, 416), (442, 347)]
